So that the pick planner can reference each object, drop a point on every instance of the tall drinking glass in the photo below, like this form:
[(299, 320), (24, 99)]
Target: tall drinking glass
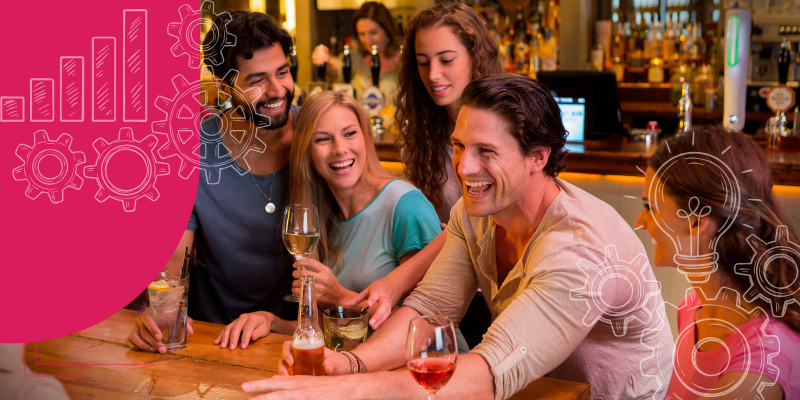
[(431, 351), (300, 230), (169, 295)]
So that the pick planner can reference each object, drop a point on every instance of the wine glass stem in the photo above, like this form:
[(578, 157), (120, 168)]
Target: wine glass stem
[(431, 396)]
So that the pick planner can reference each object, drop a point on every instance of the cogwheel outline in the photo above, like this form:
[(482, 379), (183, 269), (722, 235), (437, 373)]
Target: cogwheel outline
[(622, 272), (144, 149), (763, 254), (185, 114), (39, 183), (764, 360), (186, 33)]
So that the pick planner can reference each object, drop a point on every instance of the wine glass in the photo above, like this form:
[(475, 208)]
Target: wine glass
[(431, 351), (300, 231)]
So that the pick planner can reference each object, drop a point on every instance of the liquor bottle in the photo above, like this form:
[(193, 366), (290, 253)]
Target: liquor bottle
[(618, 45), (373, 100), (519, 24), (655, 39), (548, 51), (702, 82), (534, 55), (655, 74), (684, 110), (668, 44), (400, 30), (308, 343)]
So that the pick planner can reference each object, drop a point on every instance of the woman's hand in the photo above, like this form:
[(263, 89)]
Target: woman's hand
[(146, 335), (334, 364), (320, 55), (250, 326), (381, 292), (327, 288)]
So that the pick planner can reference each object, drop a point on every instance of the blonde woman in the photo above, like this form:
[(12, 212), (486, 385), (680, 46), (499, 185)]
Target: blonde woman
[(370, 221)]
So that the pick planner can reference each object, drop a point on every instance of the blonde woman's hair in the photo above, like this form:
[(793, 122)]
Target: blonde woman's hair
[(308, 186)]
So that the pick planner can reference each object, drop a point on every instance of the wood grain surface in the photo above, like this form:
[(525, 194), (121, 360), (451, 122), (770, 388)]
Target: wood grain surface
[(95, 363)]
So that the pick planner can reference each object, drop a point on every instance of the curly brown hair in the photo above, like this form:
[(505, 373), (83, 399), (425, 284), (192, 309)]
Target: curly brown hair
[(763, 217), (425, 130)]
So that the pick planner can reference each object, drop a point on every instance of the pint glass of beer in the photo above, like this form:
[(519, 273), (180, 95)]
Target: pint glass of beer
[(308, 343)]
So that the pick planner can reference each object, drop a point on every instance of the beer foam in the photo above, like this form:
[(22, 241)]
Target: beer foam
[(308, 344)]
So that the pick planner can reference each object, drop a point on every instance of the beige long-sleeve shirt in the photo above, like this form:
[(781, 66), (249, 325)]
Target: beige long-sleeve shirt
[(574, 306)]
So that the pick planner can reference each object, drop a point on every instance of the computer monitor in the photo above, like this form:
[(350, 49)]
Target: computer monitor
[(573, 116), (601, 94)]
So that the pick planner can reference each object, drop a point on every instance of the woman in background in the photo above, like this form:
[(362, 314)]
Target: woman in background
[(446, 47), (372, 25), (723, 349)]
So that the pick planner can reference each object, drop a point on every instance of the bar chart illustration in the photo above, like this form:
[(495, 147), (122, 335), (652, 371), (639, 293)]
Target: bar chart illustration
[(71, 91), (96, 82), (12, 109), (134, 58), (104, 79), (42, 95)]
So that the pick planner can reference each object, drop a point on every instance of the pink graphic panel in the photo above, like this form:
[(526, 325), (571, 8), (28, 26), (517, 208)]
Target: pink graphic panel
[(104, 79), (42, 100), (134, 66), (12, 109), (71, 96)]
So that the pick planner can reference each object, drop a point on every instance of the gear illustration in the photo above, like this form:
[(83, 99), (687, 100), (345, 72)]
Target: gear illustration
[(686, 371), (757, 270), (623, 274), (126, 143), (186, 33), (185, 114), (650, 366), (38, 182)]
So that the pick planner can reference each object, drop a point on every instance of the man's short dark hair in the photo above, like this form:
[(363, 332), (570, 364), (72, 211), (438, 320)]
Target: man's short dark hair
[(526, 105), (254, 31)]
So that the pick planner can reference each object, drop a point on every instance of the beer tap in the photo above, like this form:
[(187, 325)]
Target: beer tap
[(376, 122), (777, 124)]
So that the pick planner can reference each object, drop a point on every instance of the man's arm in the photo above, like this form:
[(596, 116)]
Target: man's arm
[(472, 379), (387, 291)]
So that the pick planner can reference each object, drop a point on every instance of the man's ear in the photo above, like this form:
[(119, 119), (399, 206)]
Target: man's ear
[(538, 159), (223, 89)]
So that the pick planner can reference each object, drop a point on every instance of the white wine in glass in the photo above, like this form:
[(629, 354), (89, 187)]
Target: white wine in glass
[(300, 231), (431, 351)]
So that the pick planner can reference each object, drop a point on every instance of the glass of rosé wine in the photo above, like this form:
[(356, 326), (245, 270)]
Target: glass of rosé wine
[(431, 351)]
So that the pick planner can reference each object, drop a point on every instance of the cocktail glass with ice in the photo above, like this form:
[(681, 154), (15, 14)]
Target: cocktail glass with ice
[(169, 300)]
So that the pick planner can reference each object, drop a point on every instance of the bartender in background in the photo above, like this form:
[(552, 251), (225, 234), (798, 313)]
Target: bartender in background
[(372, 24)]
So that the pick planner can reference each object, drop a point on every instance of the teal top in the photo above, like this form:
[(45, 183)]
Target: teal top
[(398, 220)]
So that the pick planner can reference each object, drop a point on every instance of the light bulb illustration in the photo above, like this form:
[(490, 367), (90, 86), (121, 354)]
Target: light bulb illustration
[(696, 263)]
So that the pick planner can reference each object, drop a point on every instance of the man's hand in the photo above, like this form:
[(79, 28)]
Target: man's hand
[(334, 364), (250, 326), (146, 335), (381, 292), (327, 288)]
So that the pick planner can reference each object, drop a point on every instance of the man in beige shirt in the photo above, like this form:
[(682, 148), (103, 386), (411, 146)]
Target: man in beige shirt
[(566, 279)]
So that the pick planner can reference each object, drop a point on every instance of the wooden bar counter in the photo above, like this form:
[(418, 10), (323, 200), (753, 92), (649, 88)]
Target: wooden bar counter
[(96, 363), (628, 156)]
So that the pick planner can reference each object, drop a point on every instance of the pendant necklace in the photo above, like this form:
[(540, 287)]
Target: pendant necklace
[(270, 207)]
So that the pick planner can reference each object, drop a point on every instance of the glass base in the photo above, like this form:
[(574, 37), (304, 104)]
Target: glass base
[(174, 347), (294, 298)]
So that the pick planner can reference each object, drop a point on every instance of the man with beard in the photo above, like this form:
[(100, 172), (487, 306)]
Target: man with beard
[(244, 269)]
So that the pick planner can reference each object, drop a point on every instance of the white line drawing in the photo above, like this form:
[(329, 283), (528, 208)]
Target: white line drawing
[(144, 149), (12, 109), (39, 182), (627, 275), (104, 79), (690, 376), (42, 100), (71, 93), (650, 367), (763, 254), (186, 33), (697, 268), (134, 65), (185, 113)]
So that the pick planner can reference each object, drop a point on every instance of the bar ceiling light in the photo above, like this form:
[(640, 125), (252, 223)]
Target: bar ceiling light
[(291, 21)]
